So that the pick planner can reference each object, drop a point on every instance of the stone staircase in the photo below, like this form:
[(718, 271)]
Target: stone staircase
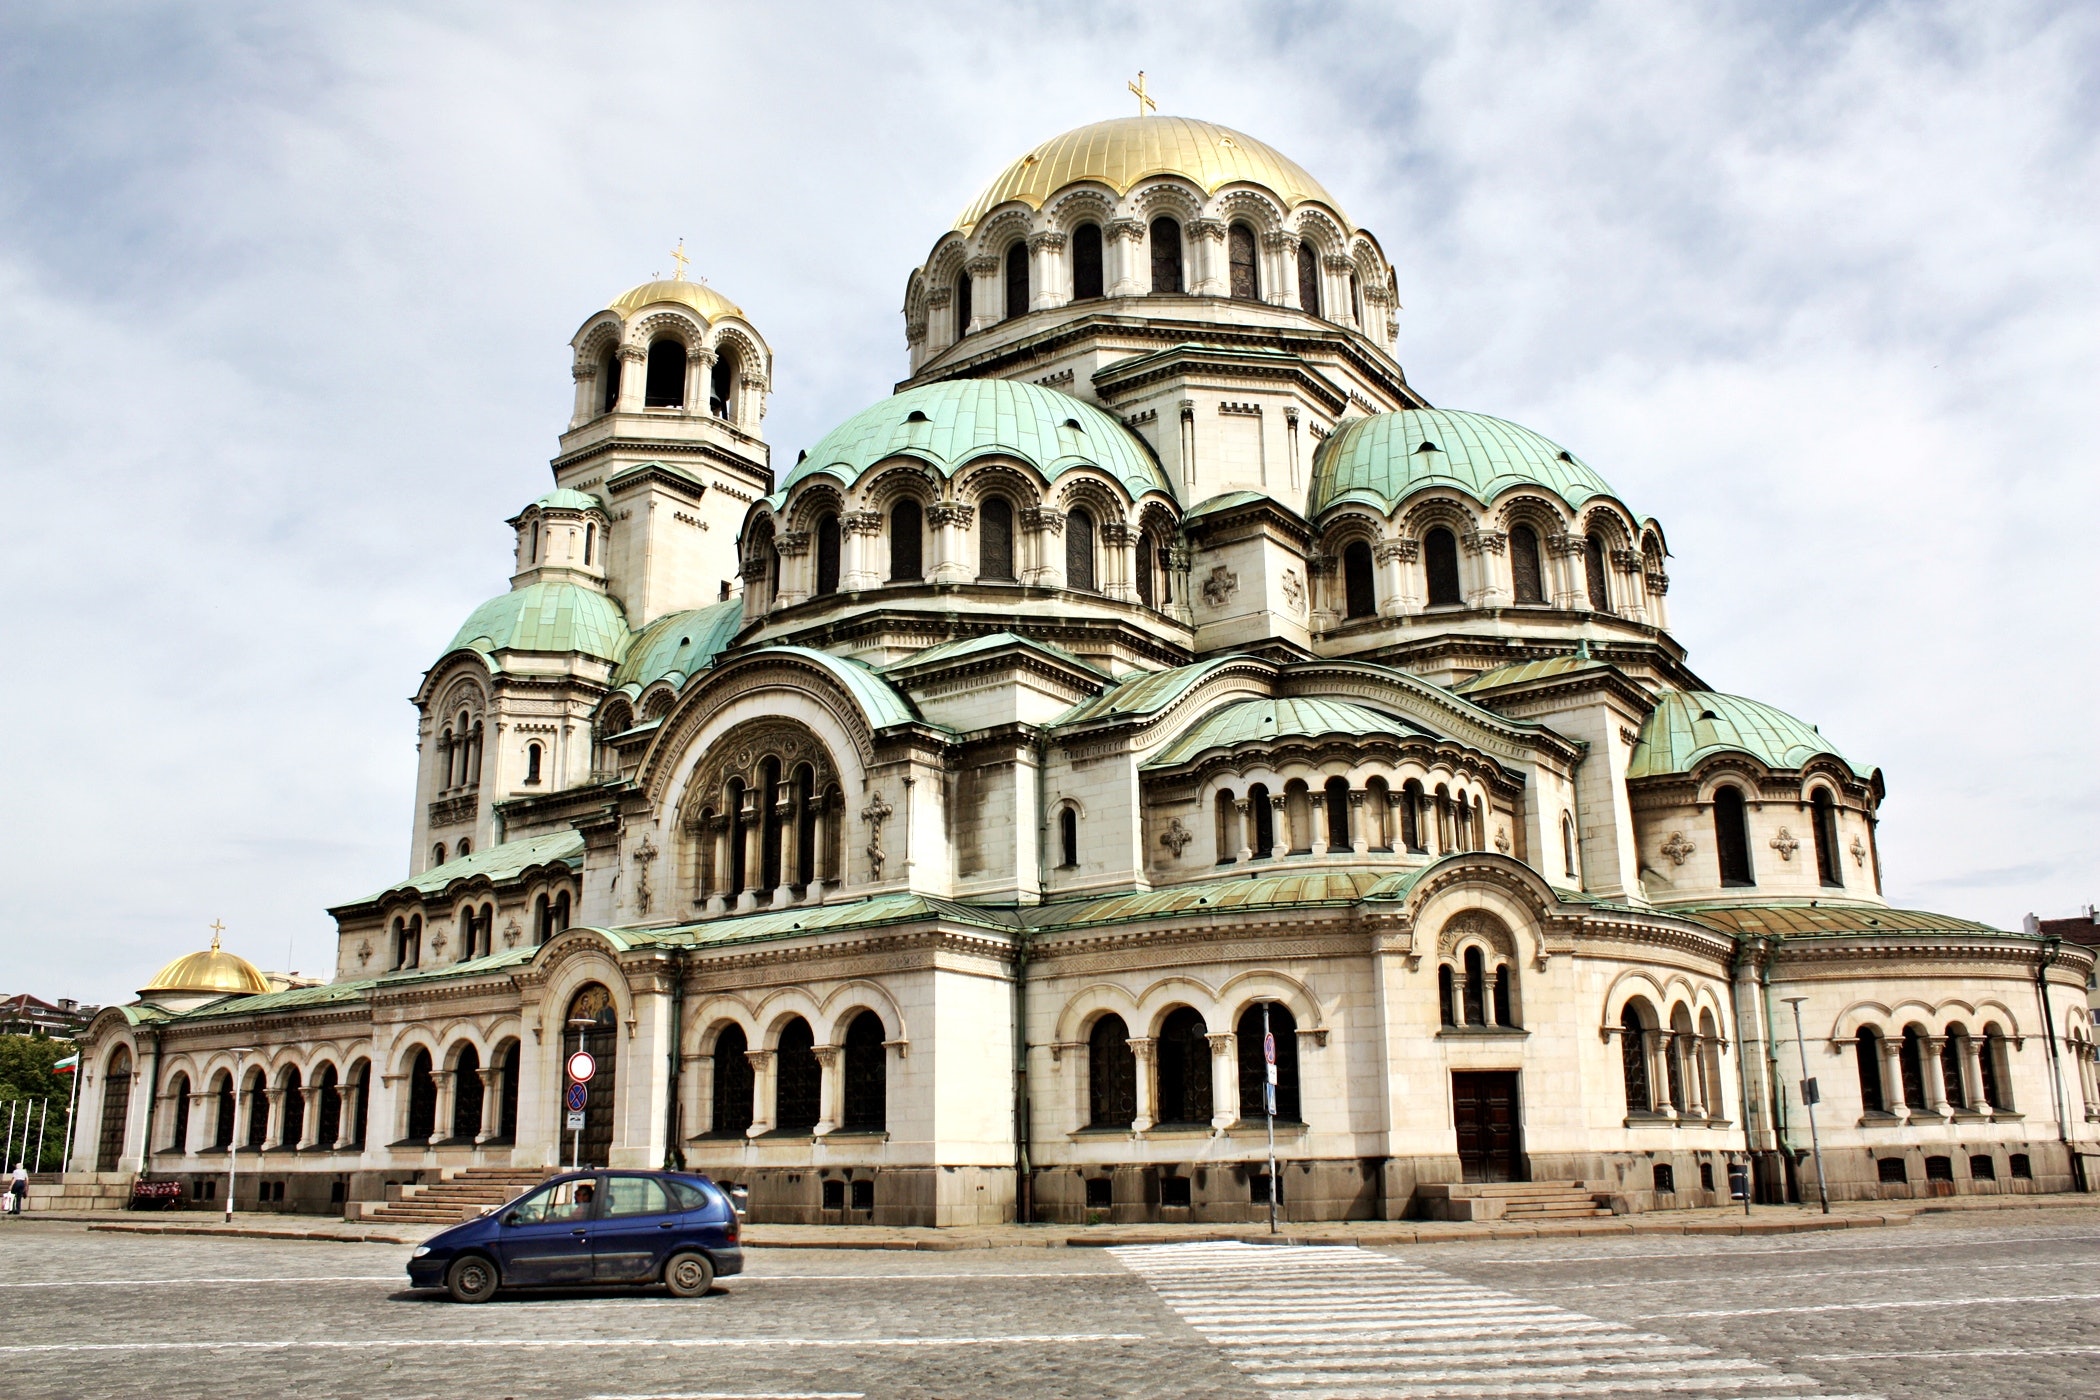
[(458, 1195), (49, 1191), (1517, 1201)]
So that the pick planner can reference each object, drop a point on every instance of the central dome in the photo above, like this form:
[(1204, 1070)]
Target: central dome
[(1121, 152), (214, 971)]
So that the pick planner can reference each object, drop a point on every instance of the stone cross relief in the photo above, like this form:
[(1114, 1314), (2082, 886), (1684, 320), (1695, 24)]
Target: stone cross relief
[(364, 949), (1176, 837), (1220, 586), (643, 855), (1294, 591), (512, 933), (1502, 843), (1785, 844), (1859, 852), (875, 814), (1677, 848)]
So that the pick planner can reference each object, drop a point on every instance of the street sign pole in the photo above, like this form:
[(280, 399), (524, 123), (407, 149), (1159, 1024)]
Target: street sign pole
[(1268, 1089), (233, 1139), (1809, 1095), (582, 1026)]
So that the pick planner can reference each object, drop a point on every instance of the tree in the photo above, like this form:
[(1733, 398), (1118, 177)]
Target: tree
[(27, 1079)]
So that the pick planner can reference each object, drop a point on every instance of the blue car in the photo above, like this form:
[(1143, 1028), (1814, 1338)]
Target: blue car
[(610, 1227)]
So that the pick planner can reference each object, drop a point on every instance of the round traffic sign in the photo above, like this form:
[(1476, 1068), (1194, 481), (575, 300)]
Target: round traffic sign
[(577, 1097), (582, 1066), (1268, 1048)]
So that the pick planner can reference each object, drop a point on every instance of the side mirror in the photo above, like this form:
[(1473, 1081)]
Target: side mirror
[(511, 1219)]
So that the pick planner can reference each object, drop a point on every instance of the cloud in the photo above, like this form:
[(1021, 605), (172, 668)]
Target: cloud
[(285, 294)]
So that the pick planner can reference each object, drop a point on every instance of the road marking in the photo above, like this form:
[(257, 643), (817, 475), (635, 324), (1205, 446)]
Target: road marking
[(383, 1343), (914, 1278), (400, 1278), (1344, 1323), (1950, 1355), (1547, 1261), (743, 1395), (1876, 1307), (1793, 1279)]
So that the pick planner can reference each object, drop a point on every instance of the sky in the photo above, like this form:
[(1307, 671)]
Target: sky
[(286, 293)]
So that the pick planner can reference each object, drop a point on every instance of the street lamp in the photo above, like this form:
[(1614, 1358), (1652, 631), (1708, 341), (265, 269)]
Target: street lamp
[(582, 1025), (233, 1139), (1809, 1095)]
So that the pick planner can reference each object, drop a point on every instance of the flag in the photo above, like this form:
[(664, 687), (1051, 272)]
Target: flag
[(68, 1064)]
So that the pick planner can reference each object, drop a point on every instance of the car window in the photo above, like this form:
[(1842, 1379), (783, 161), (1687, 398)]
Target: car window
[(635, 1195), (688, 1195), (565, 1200)]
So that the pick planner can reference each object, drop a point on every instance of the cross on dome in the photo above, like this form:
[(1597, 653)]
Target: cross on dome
[(678, 256), (217, 928), (1145, 102)]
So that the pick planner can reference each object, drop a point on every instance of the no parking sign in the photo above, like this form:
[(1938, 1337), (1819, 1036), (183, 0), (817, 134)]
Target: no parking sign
[(582, 1066)]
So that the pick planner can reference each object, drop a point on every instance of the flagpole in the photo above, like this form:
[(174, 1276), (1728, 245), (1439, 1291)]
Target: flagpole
[(42, 1119), (65, 1156)]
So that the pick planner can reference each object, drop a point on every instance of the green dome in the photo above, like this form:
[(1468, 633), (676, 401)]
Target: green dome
[(950, 424), (1256, 721), (547, 617), (680, 644), (565, 499), (1689, 726), (1388, 457)]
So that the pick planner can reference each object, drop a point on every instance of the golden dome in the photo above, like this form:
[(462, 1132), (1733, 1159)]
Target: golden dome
[(211, 971), (702, 298), (1125, 150)]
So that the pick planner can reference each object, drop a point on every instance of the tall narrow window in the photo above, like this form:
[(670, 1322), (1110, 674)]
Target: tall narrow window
[(1261, 819), (1086, 262), (1829, 866), (590, 543), (1146, 592), (1440, 559), (1228, 829), (1446, 995), (558, 915), (1356, 299), (1183, 1057), (1246, 267), (609, 381), (1079, 550), (1567, 845), (179, 1110), (769, 825), (1732, 836), (532, 762), (1309, 278), (721, 391), (1111, 1072), (1282, 1028), (1503, 978), (1166, 256), (665, 386), (805, 826), (866, 1091), (1633, 1062), (1869, 1052), (963, 314), (1476, 988), (1525, 572), (731, 1109), (995, 539), (1359, 586), (1953, 1050), (798, 1081), (827, 555), (1339, 837), (1068, 838), (1016, 280), (1912, 1059), (1593, 573), (1411, 816), (1992, 1065), (739, 823), (907, 539)]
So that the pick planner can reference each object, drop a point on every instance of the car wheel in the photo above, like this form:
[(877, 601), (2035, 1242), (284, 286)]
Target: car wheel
[(471, 1279), (689, 1275)]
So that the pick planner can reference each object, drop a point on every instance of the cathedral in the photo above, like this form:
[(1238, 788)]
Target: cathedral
[(1153, 731)]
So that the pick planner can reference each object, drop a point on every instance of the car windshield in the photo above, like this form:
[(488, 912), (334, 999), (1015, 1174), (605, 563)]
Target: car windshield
[(565, 1200)]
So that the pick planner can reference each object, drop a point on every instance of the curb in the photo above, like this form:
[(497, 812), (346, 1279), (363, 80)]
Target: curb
[(238, 1232)]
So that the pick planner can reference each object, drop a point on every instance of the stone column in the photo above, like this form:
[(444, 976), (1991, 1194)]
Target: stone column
[(1279, 825), (1122, 244), (1490, 588), (699, 380), (1569, 581), (949, 520), (1048, 283), (346, 1122), (1207, 242), (1972, 1073), (197, 1138), (1360, 842), (1045, 532), (587, 400), (831, 1089), (1691, 1051), (1397, 596), (1246, 831), (753, 836), (491, 1104), (1395, 829), (1892, 1090), (1282, 284), (310, 1116), (447, 1095), (1341, 307), (1224, 1078), (761, 1092), (796, 582), (784, 813), (718, 883), (985, 292), (1141, 1048), (819, 872), (273, 1117), (1655, 1044), (1316, 805), (857, 565), (1117, 573), (1933, 1071), (634, 377)]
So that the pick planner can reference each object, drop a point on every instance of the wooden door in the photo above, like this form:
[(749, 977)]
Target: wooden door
[(1485, 1112)]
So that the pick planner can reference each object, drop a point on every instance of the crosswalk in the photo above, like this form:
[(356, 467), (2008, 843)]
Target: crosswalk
[(1342, 1323)]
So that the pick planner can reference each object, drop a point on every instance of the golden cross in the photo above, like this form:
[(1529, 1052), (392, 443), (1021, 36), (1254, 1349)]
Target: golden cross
[(217, 928), (1145, 102), (678, 256)]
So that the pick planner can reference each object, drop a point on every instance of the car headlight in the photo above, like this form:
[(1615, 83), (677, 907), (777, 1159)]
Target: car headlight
[(421, 1250)]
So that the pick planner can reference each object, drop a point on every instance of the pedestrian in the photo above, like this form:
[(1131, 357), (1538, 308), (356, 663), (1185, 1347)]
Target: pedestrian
[(18, 1190)]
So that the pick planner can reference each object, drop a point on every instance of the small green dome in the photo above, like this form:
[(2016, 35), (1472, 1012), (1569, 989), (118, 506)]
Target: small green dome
[(1258, 721), (557, 617), (1388, 457), (565, 499), (950, 424), (1687, 727), (679, 643)]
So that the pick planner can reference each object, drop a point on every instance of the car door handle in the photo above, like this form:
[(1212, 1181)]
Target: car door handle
[(579, 1234), (666, 1224)]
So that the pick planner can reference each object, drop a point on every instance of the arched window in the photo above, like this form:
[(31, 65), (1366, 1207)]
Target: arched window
[(329, 1107), (1593, 572), (1246, 268), (1297, 807), (1145, 568), (590, 543), (1633, 1062), (963, 313), (1952, 1052), (721, 382), (422, 1098), (1505, 976), (608, 390), (798, 1082), (1079, 550), (1732, 836), (1309, 278), (1356, 299), (907, 541), (1184, 1068), (805, 825), (827, 555), (1868, 1049), (1912, 1059), (665, 386), (769, 819), (361, 1083), (1446, 830), (1829, 865), (1339, 837), (1254, 1069), (1476, 988), (1262, 819), (1068, 838), (1111, 1075), (1525, 570), (1166, 256), (1411, 816), (179, 1110), (1359, 586), (542, 922), (1997, 1084), (559, 915), (730, 1113), (995, 539), (465, 849), (1086, 262), (1228, 829), (1446, 995), (532, 762), (1440, 560), (507, 1110), (866, 1094), (259, 1106), (1567, 845), (1377, 815), (467, 1094), (1016, 280)]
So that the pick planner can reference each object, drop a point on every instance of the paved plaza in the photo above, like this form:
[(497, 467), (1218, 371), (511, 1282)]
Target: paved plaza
[(1946, 1307)]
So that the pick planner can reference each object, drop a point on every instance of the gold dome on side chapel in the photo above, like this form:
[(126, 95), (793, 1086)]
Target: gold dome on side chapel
[(210, 973), (697, 296), (1121, 152)]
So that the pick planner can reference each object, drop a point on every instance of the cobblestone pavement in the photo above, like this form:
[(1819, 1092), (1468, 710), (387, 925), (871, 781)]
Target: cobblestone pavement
[(1955, 1307)]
